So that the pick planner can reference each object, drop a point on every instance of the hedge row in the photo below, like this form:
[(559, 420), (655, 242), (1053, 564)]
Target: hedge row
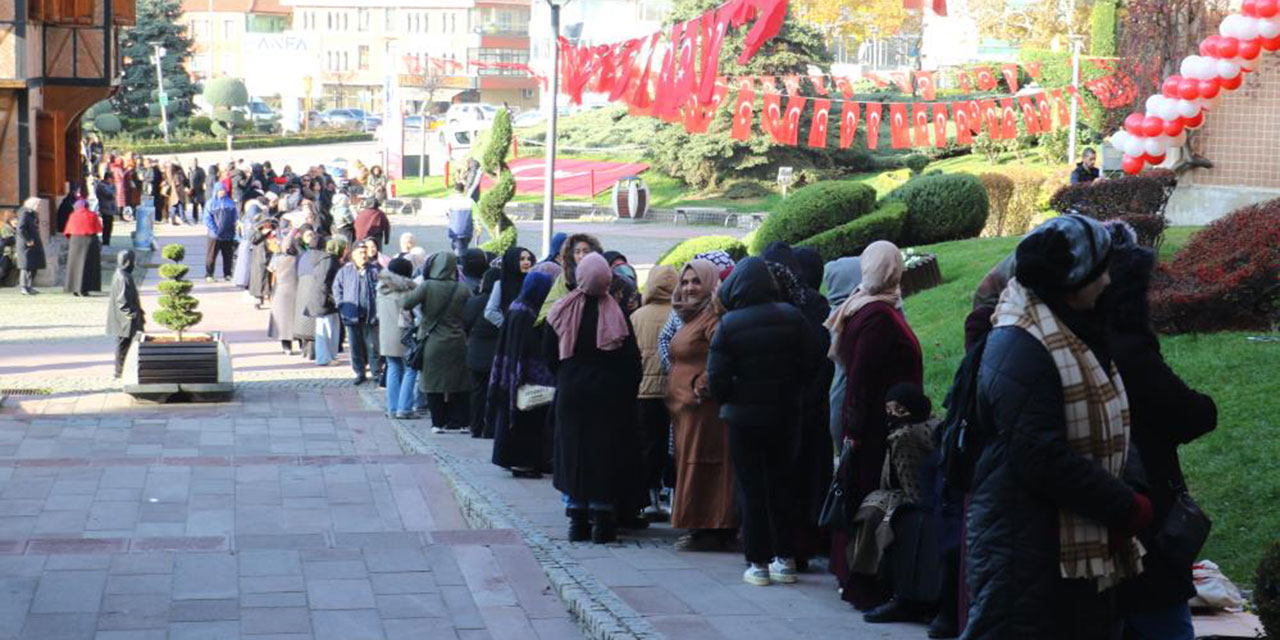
[(940, 207), (241, 143), (849, 239), (683, 252), (812, 210)]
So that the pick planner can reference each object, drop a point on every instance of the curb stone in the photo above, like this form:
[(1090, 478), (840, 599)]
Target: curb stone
[(600, 613)]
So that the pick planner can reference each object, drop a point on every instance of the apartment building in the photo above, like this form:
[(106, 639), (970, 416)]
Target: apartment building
[(228, 35)]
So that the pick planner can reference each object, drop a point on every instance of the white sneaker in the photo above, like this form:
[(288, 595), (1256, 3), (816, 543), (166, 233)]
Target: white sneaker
[(757, 575), (439, 430), (783, 570)]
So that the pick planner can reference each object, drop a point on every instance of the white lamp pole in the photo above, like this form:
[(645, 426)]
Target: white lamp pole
[(548, 204), (1076, 41), (162, 98)]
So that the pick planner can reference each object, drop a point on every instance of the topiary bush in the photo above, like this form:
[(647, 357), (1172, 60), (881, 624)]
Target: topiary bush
[(940, 207), (494, 201), (683, 252), (746, 190), (1227, 277), (1025, 202), (1146, 194), (999, 189), (849, 239), (1266, 590), (177, 306), (812, 210)]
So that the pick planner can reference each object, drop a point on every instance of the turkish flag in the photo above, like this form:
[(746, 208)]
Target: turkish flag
[(1033, 70), (819, 84), (626, 68), (848, 124), (1029, 116), (605, 75), (769, 16), (714, 27), (686, 77), (1044, 109), (899, 126), (920, 123), (1008, 119), (639, 100), (792, 84), (845, 87), (771, 119), (791, 119), (818, 128), (924, 84), (874, 78), (964, 131), (901, 79), (939, 124), (975, 116), (991, 115), (744, 110), (1064, 110), (1079, 100), (963, 77), (1010, 73), (697, 118), (986, 79), (873, 125)]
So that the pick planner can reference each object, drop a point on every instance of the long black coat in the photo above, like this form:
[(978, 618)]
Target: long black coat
[(595, 410), (28, 258), (482, 335), (124, 315), (1025, 473), (84, 265), (319, 302)]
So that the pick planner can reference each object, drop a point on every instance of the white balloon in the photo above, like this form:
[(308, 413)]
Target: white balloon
[(1207, 68), (1153, 104), (1188, 109), (1119, 138), (1248, 28), (1269, 27), (1230, 25), (1186, 67), (1135, 146), (1227, 69), (1153, 147)]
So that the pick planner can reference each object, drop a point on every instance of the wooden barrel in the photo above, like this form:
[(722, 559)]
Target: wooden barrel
[(177, 362)]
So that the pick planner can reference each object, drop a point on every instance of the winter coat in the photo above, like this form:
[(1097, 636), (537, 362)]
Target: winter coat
[(220, 217), (444, 354), (31, 257), (1027, 472), (763, 355), (482, 335), (355, 293), (284, 298), (373, 223), (304, 326), (392, 289), (320, 303), (648, 321), (124, 315)]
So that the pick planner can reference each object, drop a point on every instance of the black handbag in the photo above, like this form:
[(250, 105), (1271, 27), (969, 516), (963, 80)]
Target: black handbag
[(835, 512), (1184, 531)]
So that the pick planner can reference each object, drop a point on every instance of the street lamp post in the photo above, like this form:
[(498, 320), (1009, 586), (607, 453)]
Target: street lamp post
[(161, 98), (548, 204)]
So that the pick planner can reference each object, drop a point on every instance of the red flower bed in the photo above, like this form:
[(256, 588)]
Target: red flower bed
[(1227, 277), (1139, 200)]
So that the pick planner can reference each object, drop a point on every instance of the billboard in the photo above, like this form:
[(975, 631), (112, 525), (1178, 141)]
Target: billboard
[(278, 62)]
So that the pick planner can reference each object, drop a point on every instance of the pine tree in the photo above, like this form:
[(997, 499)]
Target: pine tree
[(157, 24), (494, 201), (177, 305)]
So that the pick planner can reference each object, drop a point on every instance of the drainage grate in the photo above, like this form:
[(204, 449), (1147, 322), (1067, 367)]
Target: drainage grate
[(24, 392)]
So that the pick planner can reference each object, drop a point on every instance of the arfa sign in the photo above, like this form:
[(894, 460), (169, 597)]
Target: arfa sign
[(275, 44)]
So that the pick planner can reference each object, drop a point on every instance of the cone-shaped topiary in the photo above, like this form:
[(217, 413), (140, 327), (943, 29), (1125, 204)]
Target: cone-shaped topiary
[(1266, 590), (494, 201), (177, 306)]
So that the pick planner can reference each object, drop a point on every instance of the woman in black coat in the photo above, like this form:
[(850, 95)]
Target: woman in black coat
[(520, 359), (482, 341), (259, 258), (1164, 413), (28, 248)]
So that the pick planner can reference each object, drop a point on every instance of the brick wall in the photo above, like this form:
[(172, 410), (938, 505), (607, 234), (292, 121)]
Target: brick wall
[(1241, 135)]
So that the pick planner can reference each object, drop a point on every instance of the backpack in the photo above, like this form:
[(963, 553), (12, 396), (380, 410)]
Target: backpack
[(963, 435)]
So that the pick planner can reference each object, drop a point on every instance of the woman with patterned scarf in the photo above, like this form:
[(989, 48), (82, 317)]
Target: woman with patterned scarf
[(1051, 522)]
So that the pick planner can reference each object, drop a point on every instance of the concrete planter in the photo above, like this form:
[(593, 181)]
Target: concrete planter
[(159, 368)]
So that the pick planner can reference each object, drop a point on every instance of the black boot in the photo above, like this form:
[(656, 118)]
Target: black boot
[(944, 626), (579, 525), (897, 610), (606, 527)]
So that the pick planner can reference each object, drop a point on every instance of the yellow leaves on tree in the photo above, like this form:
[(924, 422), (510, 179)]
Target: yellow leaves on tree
[(1037, 24), (860, 19)]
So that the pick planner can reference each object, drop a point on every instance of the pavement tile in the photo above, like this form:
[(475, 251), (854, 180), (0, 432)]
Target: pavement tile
[(69, 592), (221, 630), (340, 594), (138, 584), (412, 605), (205, 576), (274, 562), (203, 610), (407, 582), (277, 620), (141, 563), (273, 599), (16, 594), (462, 608), (357, 624), (692, 627), (133, 634), (335, 569), (271, 584), (73, 562), (134, 612), (280, 541), (59, 626), (652, 601), (395, 560), (418, 628), (62, 546), (180, 543)]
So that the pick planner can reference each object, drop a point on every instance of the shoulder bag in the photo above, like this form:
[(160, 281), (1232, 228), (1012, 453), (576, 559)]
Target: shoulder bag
[(532, 396), (414, 346), (1184, 530), (835, 513)]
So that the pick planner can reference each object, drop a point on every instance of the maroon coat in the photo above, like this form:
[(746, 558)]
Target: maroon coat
[(373, 223)]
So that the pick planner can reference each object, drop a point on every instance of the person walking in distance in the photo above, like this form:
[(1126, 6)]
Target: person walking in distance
[(125, 317), (220, 221), (461, 226), (371, 222), (355, 290), (28, 248), (197, 179)]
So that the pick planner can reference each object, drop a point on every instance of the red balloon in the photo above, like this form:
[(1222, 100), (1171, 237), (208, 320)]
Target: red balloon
[(1209, 46), (1173, 127), (1153, 160), (1249, 8), (1209, 88), (1228, 47), (1133, 124), (1132, 165), (1271, 44), (1231, 84), (1152, 126), (1194, 122), (1170, 87), (1188, 88), (1249, 49), (1267, 8)]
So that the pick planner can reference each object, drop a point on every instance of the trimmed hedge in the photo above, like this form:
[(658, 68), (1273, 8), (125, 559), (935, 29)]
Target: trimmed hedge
[(240, 143), (941, 207), (683, 252), (812, 210), (849, 239)]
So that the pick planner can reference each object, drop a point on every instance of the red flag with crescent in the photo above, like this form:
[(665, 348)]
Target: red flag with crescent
[(1010, 73), (714, 29), (901, 79), (697, 117), (792, 84), (874, 78), (991, 118), (940, 124), (899, 126), (686, 77), (920, 124), (986, 79), (639, 100), (818, 128), (1084, 108), (964, 130), (1064, 110), (1044, 109), (1029, 116), (924, 84), (771, 118), (873, 124), (791, 119), (1008, 119), (848, 123), (819, 84), (744, 110), (845, 87), (963, 77)]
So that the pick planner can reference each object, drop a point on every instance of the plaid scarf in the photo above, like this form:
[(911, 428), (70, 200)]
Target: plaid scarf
[(1097, 419)]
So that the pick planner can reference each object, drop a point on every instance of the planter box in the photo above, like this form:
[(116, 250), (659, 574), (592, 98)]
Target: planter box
[(159, 368), (922, 275)]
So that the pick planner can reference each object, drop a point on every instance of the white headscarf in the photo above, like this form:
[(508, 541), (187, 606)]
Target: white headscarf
[(881, 274)]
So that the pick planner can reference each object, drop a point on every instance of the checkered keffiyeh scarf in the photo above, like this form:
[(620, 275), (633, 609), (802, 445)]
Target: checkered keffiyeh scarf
[(1097, 416)]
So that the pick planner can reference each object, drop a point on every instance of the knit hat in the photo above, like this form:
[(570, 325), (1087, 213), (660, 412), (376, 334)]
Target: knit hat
[(401, 267), (1064, 254)]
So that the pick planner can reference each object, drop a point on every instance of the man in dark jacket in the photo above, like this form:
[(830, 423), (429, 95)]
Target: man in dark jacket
[(28, 249), (220, 222), (1085, 171), (1032, 483), (371, 222), (125, 317), (196, 178), (761, 360), (355, 290)]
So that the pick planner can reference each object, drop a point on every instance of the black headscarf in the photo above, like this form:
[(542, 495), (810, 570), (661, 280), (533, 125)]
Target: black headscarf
[(912, 398), (811, 267), (786, 271), (512, 277)]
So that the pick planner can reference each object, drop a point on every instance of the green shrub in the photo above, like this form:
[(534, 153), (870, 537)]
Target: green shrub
[(814, 209), (177, 308), (683, 252), (999, 188), (492, 209), (916, 163), (942, 207), (174, 287), (174, 271), (200, 124), (242, 142), (1102, 40), (849, 239), (1024, 205), (1266, 590), (746, 190)]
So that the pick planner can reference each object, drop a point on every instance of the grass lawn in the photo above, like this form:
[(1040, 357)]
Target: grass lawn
[(1230, 472)]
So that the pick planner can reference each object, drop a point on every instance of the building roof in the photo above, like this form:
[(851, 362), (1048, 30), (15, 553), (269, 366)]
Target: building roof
[(270, 7)]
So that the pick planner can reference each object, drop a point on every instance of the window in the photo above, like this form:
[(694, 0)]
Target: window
[(363, 57), (501, 56), (507, 21), (346, 26), (362, 20), (453, 22), (329, 19), (62, 11), (345, 61), (389, 23), (227, 28)]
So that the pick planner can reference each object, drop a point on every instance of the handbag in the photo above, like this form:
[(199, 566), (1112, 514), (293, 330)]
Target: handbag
[(835, 513), (1184, 530), (532, 396), (414, 347)]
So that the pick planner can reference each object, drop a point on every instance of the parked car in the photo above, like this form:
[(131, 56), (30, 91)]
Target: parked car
[(370, 123), (352, 118), (471, 112)]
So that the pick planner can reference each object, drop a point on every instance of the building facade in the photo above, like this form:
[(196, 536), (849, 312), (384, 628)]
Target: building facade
[(224, 32), (57, 58)]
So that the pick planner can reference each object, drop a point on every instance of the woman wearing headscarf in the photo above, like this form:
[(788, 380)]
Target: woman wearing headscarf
[(394, 283), (654, 420), (441, 301), (253, 211), (703, 499), (516, 262), (125, 317), (343, 219), (260, 256), (872, 340), (1050, 523), (519, 360), (557, 242), (28, 248), (482, 341), (839, 278), (724, 262), (84, 251), (597, 366), (576, 247), (304, 325), (321, 306), (284, 299)]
